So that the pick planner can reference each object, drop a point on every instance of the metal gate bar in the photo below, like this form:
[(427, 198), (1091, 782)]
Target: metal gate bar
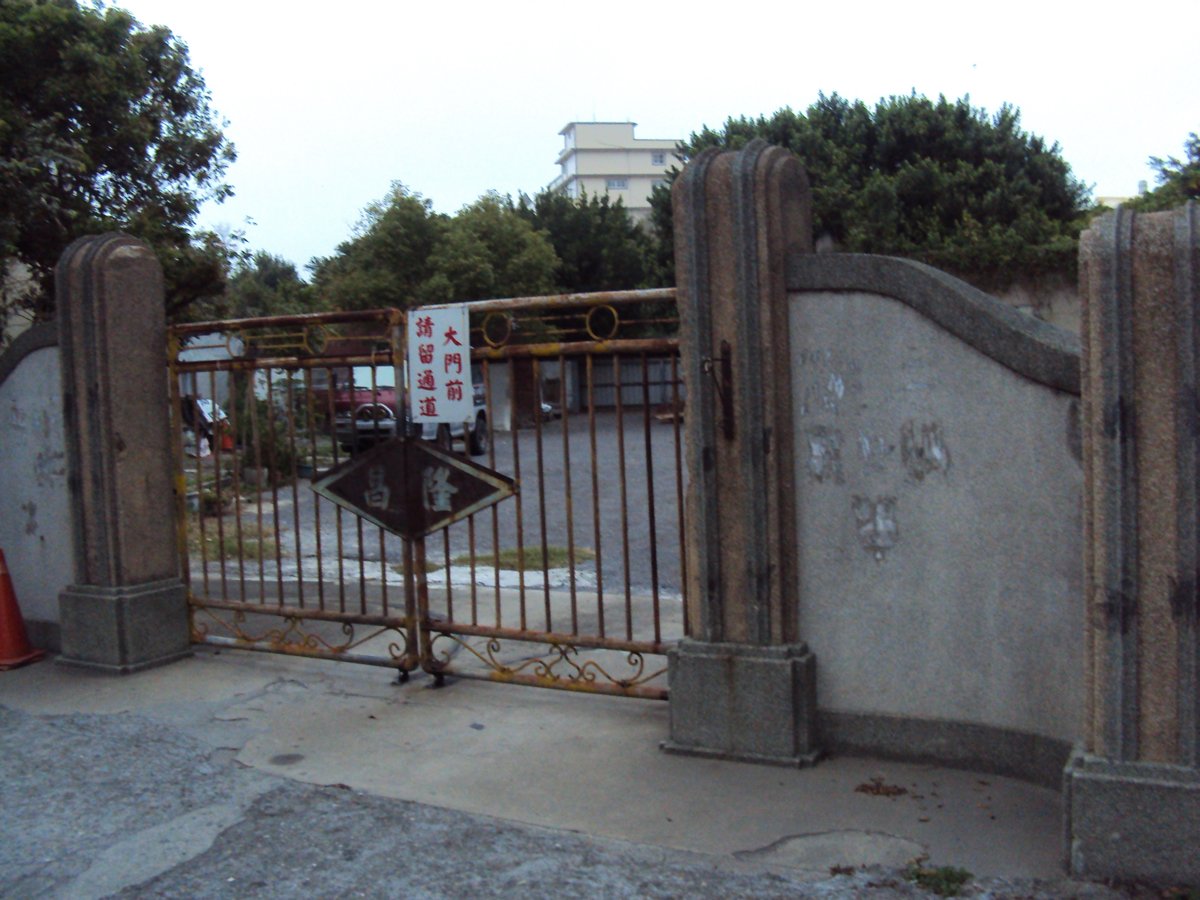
[(240, 591), (562, 639), (261, 575)]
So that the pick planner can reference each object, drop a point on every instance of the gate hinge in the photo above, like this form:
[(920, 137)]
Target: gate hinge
[(1185, 601), (723, 382), (1119, 609)]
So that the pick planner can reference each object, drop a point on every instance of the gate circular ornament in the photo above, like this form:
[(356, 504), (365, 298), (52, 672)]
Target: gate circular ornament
[(491, 317), (590, 322), (315, 338), (235, 343)]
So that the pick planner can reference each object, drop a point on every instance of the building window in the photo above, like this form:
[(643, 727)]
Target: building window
[(617, 184), (658, 159)]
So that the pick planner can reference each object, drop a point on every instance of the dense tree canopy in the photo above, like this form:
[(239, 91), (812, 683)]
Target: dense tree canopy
[(403, 254), (940, 181), (599, 247), (490, 251), (267, 285), (104, 125), (386, 260), (1178, 179)]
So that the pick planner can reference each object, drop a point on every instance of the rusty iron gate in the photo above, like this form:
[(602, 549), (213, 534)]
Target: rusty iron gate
[(577, 582)]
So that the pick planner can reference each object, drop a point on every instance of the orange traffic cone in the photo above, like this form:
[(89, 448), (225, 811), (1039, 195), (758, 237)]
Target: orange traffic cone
[(15, 649)]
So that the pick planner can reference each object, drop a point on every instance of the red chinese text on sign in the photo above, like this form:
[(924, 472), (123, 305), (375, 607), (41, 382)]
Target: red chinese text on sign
[(440, 388)]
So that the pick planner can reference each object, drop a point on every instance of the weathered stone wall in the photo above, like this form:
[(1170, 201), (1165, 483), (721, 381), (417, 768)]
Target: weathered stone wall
[(35, 523), (938, 519), (981, 566), (884, 497)]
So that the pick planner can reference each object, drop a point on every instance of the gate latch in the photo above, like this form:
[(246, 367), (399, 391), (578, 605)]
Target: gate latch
[(723, 382)]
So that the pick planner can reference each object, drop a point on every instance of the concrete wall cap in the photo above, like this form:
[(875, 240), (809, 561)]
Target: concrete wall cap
[(1037, 350), (37, 337)]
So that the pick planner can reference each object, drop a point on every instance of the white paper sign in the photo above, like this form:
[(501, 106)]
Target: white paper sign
[(439, 364)]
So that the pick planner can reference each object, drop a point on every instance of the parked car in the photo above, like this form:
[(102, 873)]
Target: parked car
[(368, 408)]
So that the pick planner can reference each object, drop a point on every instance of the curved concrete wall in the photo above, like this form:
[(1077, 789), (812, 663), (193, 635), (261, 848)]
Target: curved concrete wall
[(35, 523), (938, 517)]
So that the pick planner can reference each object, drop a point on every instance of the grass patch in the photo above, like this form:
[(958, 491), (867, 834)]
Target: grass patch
[(510, 560), (530, 559), (945, 881), (430, 566), (205, 479), (254, 544)]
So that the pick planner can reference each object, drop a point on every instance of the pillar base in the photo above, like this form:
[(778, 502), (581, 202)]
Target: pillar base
[(744, 702), (1132, 821), (124, 629)]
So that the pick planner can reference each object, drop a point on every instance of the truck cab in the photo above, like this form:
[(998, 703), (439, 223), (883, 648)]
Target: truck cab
[(369, 407)]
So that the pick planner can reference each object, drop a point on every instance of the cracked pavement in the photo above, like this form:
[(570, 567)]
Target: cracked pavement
[(246, 775)]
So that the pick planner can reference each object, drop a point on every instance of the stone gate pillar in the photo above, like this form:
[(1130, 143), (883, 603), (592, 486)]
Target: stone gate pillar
[(127, 607), (742, 684), (1132, 793)]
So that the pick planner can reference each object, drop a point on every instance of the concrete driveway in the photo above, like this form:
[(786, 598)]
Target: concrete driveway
[(245, 775)]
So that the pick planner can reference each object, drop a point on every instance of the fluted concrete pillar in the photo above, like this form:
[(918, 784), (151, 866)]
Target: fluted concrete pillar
[(1133, 791), (127, 607), (742, 684)]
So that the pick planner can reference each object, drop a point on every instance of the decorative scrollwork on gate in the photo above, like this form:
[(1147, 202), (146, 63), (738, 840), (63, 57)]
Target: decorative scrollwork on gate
[(294, 635), (560, 665)]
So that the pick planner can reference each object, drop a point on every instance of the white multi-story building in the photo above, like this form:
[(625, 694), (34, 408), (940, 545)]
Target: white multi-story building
[(605, 158)]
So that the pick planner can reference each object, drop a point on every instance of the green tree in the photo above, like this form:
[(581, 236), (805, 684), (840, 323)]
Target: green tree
[(387, 260), (1178, 180), (103, 125), (939, 181), (196, 271), (490, 251), (268, 285), (599, 247), (662, 232), (403, 254)]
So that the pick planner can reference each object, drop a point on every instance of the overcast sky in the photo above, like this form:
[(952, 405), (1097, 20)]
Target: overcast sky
[(329, 103)]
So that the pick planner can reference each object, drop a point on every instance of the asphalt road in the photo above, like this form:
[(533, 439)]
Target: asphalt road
[(631, 480), (609, 489)]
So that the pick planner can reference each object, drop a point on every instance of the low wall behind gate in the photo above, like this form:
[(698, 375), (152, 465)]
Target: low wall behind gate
[(938, 516), (35, 523)]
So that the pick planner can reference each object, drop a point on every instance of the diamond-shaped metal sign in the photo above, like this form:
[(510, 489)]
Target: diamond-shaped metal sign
[(411, 488)]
